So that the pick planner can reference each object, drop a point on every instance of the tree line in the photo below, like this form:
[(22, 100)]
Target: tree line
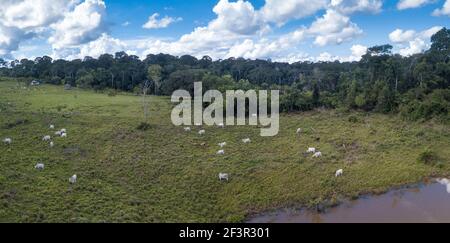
[(416, 86)]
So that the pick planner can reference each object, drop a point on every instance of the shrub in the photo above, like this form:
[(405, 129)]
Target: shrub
[(427, 157), (55, 80), (18, 122), (112, 93), (360, 101), (353, 119), (434, 105), (143, 126)]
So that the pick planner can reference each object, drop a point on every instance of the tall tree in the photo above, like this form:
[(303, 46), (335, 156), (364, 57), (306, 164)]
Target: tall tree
[(154, 73)]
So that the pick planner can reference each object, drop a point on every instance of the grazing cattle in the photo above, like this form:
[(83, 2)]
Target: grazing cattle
[(223, 176), (246, 140), (187, 129), (39, 166), (73, 179), (52, 127), (64, 135), (299, 131), (221, 152), (46, 138), (222, 144), (201, 132), (311, 150), (339, 172), (63, 130), (7, 140), (52, 144), (58, 133), (317, 155)]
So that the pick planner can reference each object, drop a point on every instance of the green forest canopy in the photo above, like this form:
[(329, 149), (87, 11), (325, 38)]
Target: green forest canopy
[(416, 86)]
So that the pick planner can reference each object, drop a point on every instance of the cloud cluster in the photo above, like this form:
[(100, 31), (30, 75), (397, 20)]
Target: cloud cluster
[(240, 30), (353, 6), (155, 23), (333, 28), (407, 4), (444, 11), (82, 25), (77, 28), (411, 42), (281, 12), (66, 23)]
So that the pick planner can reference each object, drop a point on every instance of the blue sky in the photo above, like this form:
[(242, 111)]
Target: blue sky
[(282, 30)]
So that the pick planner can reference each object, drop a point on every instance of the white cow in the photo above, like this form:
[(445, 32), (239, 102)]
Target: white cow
[(317, 155), (201, 132), (64, 135), (311, 150), (443, 181), (73, 179), (339, 172), (63, 130), (187, 129), (39, 166), (221, 152), (58, 133), (52, 144), (222, 144), (52, 126), (223, 176), (446, 183), (246, 140), (7, 140), (46, 138)]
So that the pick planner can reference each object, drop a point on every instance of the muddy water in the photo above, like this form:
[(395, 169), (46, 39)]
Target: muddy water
[(429, 203)]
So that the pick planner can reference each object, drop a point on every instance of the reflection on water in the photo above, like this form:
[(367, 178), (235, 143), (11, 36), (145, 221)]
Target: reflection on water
[(428, 203)]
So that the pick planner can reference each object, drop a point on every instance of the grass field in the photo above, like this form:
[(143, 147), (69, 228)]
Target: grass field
[(164, 174)]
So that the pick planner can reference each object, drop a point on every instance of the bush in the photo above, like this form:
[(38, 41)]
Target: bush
[(112, 93), (143, 126), (137, 90), (353, 119), (55, 80), (360, 101), (434, 105), (427, 157)]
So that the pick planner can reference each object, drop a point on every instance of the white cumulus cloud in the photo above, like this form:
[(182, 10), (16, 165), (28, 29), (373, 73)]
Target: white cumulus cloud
[(352, 6), (282, 11), (22, 20), (84, 24), (102, 45), (334, 28), (155, 23), (445, 10), (407, 4), (411, 42)]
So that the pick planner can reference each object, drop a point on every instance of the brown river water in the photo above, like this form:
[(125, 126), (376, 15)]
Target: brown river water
[(424, 203)]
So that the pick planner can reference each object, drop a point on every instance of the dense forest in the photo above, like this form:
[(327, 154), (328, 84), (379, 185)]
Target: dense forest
[(417, 87)]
